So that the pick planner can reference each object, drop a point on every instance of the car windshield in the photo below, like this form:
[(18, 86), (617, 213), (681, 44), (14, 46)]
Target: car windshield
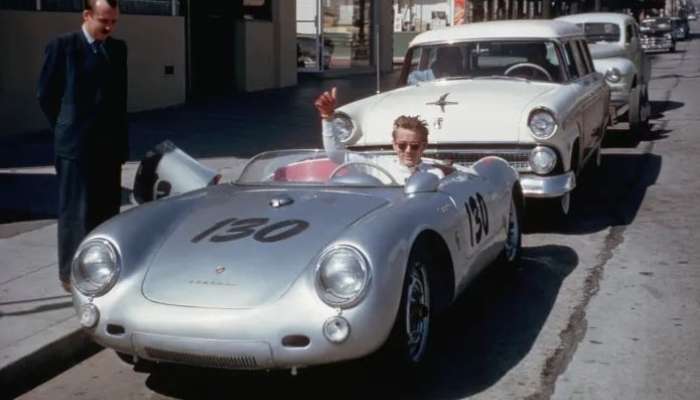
[(530, 59), (656, 23), (313, 167), (601, 32)]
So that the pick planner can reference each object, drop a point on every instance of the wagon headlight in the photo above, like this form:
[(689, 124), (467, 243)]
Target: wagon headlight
[(613, 75), (96, 267), (343, 127), (542, 160), (542, 123), (342, 276)]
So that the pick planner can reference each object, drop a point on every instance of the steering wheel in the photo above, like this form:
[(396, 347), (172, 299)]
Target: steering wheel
[(348, 164), (531, 66)]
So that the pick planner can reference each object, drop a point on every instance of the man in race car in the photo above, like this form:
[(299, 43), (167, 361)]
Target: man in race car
[(409, 140)]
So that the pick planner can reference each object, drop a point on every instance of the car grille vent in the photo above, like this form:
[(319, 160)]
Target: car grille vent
[(241, 362), (518, 159)]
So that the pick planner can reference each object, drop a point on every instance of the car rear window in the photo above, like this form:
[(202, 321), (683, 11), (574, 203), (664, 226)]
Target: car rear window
[(601, 32)]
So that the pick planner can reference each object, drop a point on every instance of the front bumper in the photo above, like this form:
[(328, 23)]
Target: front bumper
[(280, 335), (657, 44), (547, 186)]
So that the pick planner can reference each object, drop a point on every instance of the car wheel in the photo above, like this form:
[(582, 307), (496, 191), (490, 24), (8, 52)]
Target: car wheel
[(138, 363), (408, 341), (636, 111), (513, 244)]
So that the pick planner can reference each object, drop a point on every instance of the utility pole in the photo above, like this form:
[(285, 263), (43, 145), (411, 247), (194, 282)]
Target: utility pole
[(547, 9)]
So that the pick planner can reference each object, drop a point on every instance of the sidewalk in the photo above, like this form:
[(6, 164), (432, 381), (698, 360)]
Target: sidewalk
[(39, 332)]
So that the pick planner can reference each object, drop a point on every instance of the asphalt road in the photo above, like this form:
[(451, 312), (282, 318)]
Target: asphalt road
[(605, 305)]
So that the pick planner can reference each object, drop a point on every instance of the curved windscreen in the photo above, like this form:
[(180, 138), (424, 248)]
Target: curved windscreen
[(313, 167), (530, 59)]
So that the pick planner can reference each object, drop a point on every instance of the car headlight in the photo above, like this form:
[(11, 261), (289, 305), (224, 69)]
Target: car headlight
[(613, 75), (342, 276), (668, 36), (343, 127), (542, 123), (96, 267), (542, 160)]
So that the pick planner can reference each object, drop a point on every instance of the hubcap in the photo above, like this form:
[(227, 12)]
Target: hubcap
[(417, 312), (513, 233)]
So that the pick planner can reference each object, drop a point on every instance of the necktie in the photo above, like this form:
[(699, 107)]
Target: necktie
[(96, 46)]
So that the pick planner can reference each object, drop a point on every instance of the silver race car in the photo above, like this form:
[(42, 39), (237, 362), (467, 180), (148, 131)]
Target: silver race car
[(299, 262)]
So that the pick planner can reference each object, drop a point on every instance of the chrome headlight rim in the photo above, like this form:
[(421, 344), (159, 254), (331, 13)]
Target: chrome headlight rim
[(613, 75), (331, 299), (540, 111), (81, 285), (339, 118), (543, 150)]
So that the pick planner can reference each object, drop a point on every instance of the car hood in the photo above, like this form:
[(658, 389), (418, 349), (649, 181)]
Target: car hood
[(606, 50), (243, 266), (480, 110)]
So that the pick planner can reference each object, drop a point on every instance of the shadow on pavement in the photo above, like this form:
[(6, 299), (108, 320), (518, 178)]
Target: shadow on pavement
[(236, 125), (28, 197), (607, 196), (487, 332), (32, 197)]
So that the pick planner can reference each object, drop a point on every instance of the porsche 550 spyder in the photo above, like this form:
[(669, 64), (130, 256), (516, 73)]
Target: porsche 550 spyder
[(299, 262)]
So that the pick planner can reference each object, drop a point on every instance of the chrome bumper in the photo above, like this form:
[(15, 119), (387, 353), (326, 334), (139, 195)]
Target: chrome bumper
[(547, 186)]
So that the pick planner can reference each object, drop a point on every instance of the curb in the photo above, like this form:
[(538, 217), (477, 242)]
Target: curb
[(33, 369)]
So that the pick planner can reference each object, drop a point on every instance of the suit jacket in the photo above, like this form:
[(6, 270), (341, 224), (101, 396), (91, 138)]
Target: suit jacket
[(86, 109)]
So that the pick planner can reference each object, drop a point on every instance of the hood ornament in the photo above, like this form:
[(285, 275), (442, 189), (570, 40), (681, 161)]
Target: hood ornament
[(442, 102), (281, 201)]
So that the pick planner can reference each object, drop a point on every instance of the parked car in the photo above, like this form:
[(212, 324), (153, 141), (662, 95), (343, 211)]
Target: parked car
[(680, 28), (300, 262), (307, 52), (525, 91), (657, 34), (613, 40)]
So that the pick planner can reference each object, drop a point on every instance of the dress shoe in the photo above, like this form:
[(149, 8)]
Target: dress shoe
[(66, 286)]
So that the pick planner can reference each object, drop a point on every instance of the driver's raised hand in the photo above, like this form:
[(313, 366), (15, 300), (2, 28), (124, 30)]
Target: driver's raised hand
[(325, 104)]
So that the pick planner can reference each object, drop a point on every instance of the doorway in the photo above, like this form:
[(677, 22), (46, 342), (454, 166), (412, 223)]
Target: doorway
[(210, 47)]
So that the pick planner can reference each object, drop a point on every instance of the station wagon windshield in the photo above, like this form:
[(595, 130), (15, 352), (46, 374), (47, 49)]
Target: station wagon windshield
[(534, 60)]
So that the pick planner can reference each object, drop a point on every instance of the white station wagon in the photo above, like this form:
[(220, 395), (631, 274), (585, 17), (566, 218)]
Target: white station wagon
[(525, 91), (617, 52)]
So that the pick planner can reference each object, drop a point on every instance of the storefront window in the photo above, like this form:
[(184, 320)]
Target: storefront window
[(421, 15), (340, 38)]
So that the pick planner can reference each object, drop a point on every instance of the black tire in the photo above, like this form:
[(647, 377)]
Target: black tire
[(510, 255), (635, 111), (139, 365), (408, 342), (127, 358)]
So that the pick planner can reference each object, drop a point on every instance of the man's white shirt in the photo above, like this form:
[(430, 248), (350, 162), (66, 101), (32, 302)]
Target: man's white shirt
[(337, 153)]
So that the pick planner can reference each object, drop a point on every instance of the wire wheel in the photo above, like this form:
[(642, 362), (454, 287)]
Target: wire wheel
[(514, 235), (416, 312)]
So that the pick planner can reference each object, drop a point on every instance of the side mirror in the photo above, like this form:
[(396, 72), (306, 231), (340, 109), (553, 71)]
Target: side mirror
[(422, 182), (167, 171)]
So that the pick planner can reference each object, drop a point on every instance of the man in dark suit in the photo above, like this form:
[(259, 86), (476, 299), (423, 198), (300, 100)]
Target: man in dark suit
[(82, 91)]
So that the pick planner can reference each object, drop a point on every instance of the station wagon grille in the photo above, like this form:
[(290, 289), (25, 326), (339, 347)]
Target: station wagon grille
[(518, 159), (240, 362)]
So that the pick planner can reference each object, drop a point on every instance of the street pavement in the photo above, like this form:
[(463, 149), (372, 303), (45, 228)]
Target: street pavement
[(39, 331)]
